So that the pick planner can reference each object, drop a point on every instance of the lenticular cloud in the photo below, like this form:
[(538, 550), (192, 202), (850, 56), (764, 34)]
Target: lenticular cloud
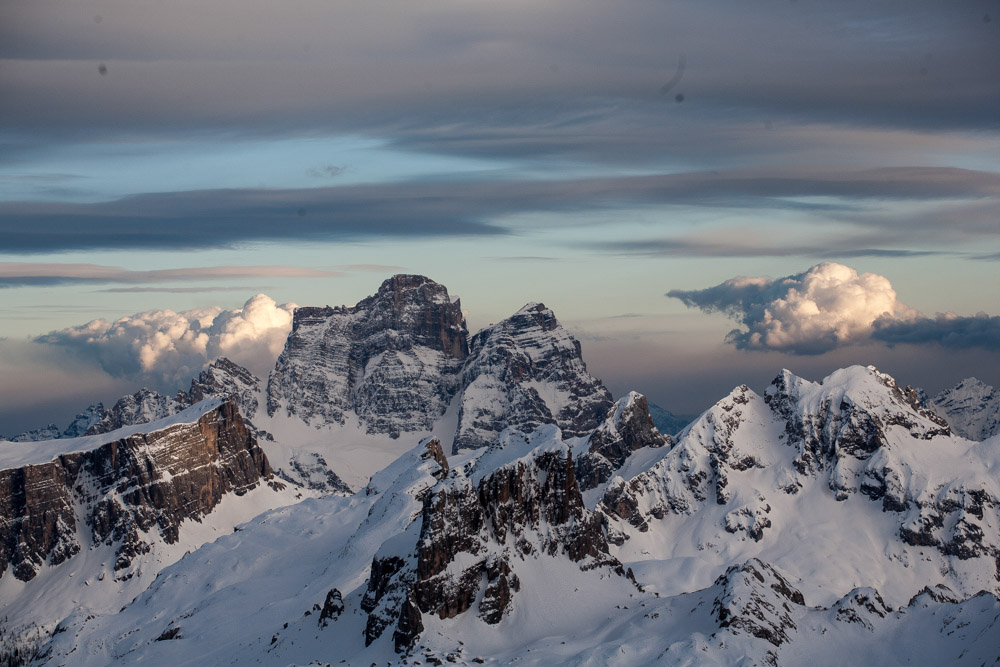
[(167, 347), (808, 313)]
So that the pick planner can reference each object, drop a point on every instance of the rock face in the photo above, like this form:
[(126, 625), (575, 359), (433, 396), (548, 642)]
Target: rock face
[(971, 408), (125, 488), (393, 359), (755, 598), (398, 359), (526, 371), (222, 379), (473, 537), (627, 428)]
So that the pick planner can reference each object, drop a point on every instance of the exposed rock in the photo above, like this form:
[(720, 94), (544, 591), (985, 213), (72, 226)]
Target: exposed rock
[(863, 606), (526, 371), (141, 407), (471, 538), (628, 427), (393, 359), (222, 379), (140, 483), (972, 409), (333, 607), (754, 599)]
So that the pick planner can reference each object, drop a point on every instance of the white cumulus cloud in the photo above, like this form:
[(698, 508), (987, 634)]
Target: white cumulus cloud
[(166, 348), (825, 307)]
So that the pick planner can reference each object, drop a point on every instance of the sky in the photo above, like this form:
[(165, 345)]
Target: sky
[(704, 193)]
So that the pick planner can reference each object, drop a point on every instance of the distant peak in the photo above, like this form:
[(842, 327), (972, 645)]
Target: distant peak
[(402, 281)]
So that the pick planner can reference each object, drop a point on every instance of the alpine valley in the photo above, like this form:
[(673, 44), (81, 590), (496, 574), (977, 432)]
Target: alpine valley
[(398, 491)]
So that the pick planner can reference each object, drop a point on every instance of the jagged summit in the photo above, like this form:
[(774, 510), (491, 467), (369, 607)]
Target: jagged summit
[(971, 407), (393, 359), (527, 370)]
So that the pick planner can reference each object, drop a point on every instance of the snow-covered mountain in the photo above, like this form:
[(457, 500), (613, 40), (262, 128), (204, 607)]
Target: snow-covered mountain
[(507, 510), (971, 408), (355, 384), (89, 521), (747, 540)]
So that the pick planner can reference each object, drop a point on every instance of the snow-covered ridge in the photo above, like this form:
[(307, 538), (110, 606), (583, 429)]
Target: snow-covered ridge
[(815, 465), (20, 454)]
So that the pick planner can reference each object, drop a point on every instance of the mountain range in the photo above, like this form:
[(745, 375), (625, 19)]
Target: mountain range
[(400, 491)]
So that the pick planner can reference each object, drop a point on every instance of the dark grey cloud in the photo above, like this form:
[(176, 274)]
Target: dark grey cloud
[(496, 78), (843, 247), (228, 218), (950, 331), (37, 274)]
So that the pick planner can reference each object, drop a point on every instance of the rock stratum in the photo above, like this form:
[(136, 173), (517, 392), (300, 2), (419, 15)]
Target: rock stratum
[(122, 492)]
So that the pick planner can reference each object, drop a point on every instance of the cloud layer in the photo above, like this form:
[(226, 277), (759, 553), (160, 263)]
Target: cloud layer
[(473, 208), (19, 274), (166, 348), (829, 306)]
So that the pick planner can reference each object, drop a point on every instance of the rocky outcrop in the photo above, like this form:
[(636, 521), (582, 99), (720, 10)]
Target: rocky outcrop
[(393, 359), (142, 407), (627, 428), (223, 379), (755, 598), (124, 489), (841, 423), (526, 371), (972, 409), (472, 539)]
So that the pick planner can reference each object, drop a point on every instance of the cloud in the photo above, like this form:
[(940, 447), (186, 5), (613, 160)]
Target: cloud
[(185, 64), (19, 274), (471, 208), (167, 348), (828, 306), (831, 306), (948, 330)]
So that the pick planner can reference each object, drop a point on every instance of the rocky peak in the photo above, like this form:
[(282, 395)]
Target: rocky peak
[(224, 378), (141, 407), (526, 371), (473, 538), (393, 359), (627, 428), (848, 414), (423, 310), (972, 408), (754, 598)]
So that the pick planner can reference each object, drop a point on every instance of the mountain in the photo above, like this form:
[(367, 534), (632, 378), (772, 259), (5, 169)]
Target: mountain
[(355, 384), (115, 508), (762, 535), (667, 422), (971, 408), (393, 359), (526, 371), (852, 466), (507, 510)]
